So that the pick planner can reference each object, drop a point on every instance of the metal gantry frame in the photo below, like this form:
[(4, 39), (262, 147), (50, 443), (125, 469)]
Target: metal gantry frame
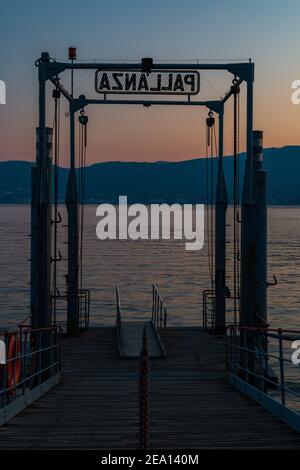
[(48, 71)]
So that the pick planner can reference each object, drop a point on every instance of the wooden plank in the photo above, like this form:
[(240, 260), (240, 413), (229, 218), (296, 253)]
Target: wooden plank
[(28, 398), (96, 405)]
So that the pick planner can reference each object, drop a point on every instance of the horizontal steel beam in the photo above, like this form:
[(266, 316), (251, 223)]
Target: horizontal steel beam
[(81, 103), (137, 66), (50, 68)]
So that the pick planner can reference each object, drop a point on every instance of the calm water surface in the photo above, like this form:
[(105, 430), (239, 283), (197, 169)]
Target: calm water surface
[(179, 274)]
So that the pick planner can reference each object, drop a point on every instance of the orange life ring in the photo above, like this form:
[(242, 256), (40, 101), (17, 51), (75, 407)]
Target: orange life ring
[(13, 373)]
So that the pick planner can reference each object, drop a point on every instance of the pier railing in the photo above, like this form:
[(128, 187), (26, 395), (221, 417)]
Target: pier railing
[(265, 364), (209, 309), (32, 360), (159, 312), (83, 302)]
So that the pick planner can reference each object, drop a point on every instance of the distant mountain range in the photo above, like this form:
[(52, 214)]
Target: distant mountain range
[(168, 182)]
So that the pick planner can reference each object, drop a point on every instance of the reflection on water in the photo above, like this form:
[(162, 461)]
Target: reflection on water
[(179, 274)]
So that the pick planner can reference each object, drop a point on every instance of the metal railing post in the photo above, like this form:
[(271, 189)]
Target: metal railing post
[(281, 362), (261, 357), (144, 395)]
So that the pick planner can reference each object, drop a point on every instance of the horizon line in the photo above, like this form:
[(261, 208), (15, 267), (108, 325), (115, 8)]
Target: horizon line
[(189, 159)]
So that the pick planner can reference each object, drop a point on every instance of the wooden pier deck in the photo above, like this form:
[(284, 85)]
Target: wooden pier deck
[(192, 405)]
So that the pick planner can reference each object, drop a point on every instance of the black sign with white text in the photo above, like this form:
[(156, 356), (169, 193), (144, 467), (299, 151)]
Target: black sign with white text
[(153, 83)]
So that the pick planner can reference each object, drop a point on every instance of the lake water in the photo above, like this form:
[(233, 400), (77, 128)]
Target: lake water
[(179, 274)]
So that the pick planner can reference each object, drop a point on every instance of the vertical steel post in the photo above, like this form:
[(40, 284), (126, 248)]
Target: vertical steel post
[(41, 214), (33, 235), (42, 245), (220, 236), (144, 395), (72, 207), (248, 245), (260, 199), (281, 363), (260, 196)]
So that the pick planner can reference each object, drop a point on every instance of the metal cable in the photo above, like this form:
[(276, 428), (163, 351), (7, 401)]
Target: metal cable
[(236, 196), (211, 205), (82, 164), (56, 126), (210, 145), (207, 224)]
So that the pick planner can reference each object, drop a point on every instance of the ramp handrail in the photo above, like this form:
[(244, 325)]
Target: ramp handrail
[(262, 358), (159, 311)]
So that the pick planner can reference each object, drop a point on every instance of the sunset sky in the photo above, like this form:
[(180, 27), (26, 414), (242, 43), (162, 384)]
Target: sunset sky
[(265, 30)]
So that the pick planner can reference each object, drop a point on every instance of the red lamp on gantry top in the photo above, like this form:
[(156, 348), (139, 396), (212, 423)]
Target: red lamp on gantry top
[(72, 53)]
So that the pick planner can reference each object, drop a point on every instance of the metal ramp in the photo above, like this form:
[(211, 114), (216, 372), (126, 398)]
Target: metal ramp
[(132, 336), (130, 332)]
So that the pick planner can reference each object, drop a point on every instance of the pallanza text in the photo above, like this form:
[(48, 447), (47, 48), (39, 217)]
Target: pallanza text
[(143, 83)]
